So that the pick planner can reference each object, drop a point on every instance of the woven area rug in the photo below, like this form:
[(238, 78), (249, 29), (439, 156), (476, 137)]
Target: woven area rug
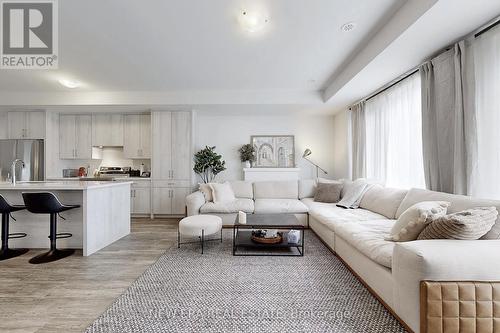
[(185, 291)]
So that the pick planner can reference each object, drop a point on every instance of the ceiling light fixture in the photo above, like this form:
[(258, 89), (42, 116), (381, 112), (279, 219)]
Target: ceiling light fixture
[(252, 21), (72, 84), (348, 27)]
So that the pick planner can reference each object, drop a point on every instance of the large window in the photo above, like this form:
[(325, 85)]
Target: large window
[(394, 135), (486, 173)]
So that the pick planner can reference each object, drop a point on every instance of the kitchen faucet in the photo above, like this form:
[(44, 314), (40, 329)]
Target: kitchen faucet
[(14, 170)]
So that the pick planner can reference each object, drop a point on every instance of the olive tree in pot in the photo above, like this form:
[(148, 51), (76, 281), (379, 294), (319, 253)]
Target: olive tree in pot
[(207, 164), (247, 154)]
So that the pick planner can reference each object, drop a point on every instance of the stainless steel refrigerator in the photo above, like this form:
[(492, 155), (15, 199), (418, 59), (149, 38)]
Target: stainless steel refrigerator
[(32, 154)]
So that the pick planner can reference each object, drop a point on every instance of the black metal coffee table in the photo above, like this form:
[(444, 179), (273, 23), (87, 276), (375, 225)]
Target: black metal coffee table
[(242, 235)]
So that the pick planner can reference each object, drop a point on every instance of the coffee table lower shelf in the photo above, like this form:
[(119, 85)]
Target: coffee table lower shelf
[(242, 239)]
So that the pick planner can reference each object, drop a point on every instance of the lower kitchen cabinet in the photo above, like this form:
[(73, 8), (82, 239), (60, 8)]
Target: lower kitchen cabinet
[(140, 200), (170, 200)]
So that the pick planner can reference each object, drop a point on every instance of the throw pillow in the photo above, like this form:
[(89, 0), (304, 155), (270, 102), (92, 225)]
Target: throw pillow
[(413, 220), (353, 194), (222, 192), (328, 192), (468, 224), (207, 192)]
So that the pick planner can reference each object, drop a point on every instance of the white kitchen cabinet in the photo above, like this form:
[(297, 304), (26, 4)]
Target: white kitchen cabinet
[(141, 200), (107, 130), (75, 137), (181, 146), (170, 200), (137, 136), (171, 161), (162, 201), (179, 195), (26, 125), (162, 146), (172, 146)]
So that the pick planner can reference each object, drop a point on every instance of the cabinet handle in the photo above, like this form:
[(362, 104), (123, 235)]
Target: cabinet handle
[(76, 153)]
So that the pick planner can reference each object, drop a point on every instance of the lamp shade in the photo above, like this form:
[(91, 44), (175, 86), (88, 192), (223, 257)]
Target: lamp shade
[(307, 152)]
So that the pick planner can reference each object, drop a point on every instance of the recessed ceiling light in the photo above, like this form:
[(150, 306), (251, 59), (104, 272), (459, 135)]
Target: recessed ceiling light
[(252, 21), (72, 84), (348, 27)]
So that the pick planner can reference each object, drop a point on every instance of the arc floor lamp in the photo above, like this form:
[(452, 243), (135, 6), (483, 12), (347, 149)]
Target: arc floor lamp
[(305, 156)]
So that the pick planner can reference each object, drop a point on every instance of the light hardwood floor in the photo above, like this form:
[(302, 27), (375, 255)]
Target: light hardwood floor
[(67, 295)]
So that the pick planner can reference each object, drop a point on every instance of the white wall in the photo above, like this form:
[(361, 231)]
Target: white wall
[(229, 130), (341, 144)]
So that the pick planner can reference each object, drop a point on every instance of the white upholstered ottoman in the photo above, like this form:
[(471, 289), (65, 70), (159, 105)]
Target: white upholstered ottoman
[(199, 226)]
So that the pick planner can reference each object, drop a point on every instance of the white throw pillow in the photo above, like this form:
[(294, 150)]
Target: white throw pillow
[(413, 220), (207, 192), (222, 192)]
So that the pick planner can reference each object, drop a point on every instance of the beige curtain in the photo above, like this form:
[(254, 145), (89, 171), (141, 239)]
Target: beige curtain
[(358, 135), (448, 120)]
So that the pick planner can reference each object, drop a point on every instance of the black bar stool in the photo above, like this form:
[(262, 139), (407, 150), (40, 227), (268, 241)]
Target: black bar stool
[(6, 209), (48, 203)]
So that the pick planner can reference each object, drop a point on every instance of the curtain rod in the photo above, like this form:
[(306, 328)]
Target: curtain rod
[(481, 31), (487, 28), (404, 77)]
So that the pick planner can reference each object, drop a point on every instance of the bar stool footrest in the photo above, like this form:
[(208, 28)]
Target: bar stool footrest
[(17, 235), (63, 235)]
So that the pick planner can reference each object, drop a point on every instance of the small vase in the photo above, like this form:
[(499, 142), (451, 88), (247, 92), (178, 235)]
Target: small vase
[(247, 164)]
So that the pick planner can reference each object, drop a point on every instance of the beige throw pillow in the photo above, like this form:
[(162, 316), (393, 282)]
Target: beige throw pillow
[(328, 192), (207, 192), (413, 220), (222, 192), (468, 224)]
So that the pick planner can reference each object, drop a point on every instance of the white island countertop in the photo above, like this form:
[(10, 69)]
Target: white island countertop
[(60, 185), (103, 215)]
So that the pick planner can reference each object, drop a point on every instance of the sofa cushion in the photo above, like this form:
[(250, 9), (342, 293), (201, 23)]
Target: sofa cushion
[(245, 205), (411, 223), (457, 204), (242, 189), (307, 188), (222, 192), (331, 215), (368, 238), (383, 200), (272, 206), (469, 224), (276, 190), (329, 193)]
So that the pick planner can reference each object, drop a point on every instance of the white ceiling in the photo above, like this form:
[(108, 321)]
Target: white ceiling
[(193, 45), (193, 52)]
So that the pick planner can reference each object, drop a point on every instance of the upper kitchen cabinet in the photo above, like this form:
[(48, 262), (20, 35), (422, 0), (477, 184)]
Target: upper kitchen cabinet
[(172, 145), (107, 130), (26, 125), (75, 137), (137, 136)]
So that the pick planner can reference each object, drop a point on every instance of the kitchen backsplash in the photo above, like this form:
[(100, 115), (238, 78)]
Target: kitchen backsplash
[(108, 156)]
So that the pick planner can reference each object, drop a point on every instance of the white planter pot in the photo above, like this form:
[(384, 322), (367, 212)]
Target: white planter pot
[(247, 164)]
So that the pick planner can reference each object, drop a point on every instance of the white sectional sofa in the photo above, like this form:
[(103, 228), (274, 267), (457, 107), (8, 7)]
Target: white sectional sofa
[(393, 271), (259, 197)]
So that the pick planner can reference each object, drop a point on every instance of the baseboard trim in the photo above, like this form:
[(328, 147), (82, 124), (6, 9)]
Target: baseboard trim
[(391, 311)]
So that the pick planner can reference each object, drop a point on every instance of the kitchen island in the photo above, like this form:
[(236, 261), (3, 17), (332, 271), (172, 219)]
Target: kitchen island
[(102, 219)]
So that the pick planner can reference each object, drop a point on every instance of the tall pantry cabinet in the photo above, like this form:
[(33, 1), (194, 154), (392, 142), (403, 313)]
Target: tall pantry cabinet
[(171, 164)]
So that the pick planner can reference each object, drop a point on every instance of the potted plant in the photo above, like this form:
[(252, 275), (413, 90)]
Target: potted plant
[(207, 164), (247, 154)]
